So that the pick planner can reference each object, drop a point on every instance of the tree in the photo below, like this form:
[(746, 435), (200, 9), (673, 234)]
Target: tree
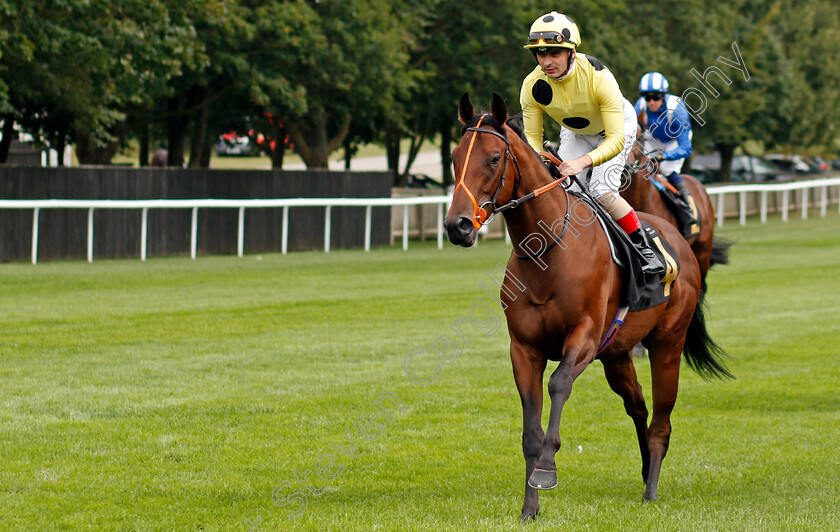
[(86, 65), (209, 92), (328, 74), (785, 98), (331, 60), (464, 47), (685, 39), (799, 71)]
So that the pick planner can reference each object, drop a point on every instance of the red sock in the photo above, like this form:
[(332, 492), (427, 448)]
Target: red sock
[(629, 222)]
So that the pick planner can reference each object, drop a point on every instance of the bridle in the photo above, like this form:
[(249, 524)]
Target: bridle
[(480, 216)]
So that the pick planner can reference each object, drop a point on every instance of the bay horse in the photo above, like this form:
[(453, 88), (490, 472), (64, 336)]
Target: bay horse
[(559, 302), (642, 195)]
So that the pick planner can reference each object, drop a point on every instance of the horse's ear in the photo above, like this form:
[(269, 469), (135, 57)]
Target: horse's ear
[(499, 109), (465, 109)]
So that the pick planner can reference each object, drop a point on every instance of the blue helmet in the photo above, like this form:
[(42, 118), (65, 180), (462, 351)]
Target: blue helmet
[(653, 82)]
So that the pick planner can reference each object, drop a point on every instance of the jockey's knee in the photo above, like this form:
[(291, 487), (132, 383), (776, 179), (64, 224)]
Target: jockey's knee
[(614, 204), (674, 178)]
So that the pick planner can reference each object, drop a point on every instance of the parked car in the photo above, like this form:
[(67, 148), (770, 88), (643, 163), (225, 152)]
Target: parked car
[(790, 163), (232, 144), (704, 175), (751, 169), (421, 181), (821, 163), (798, 163)]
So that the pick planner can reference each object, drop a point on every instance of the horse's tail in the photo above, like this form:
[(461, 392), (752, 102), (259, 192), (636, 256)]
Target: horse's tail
[(701, 352), (720, 251)]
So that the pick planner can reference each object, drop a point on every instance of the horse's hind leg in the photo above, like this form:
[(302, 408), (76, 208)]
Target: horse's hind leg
[(665, 371), (528, 370), (621, 376)]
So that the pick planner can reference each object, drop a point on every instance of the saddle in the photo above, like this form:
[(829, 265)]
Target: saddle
[(686, 225), (639, 291)]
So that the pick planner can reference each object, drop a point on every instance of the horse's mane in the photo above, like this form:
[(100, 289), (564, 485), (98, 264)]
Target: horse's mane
[(517, 124)]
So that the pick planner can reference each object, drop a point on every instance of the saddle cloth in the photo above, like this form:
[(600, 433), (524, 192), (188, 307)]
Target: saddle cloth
[(687, 227)]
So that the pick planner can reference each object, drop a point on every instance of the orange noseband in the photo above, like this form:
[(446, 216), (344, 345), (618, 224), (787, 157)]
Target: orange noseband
[(478, 213)]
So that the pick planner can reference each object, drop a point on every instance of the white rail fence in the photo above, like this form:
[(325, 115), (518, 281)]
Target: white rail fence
[(368, 203)]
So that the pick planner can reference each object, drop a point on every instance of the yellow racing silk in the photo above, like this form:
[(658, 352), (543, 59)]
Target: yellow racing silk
[(587, 101)]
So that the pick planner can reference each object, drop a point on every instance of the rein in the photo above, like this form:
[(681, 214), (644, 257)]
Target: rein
[(633, 168), (558, 239)]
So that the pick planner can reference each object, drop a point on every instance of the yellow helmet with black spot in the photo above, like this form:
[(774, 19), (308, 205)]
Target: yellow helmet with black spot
[(553, 30)]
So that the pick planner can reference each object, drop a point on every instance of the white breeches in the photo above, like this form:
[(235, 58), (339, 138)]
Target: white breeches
[(666, 168)]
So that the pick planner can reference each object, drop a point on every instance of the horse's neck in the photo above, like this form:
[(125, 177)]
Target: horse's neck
[(637, 190), (547, 218)]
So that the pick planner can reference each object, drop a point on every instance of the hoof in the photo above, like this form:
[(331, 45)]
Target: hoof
[(649, 498), (543, 479), (529, 512)]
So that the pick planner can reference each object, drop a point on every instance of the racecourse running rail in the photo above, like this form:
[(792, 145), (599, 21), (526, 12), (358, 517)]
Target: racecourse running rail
[(368, 203)]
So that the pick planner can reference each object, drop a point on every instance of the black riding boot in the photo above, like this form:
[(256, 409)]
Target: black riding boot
[(652, 264)]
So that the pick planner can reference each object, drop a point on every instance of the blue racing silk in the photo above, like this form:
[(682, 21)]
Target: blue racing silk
[(671, 122)]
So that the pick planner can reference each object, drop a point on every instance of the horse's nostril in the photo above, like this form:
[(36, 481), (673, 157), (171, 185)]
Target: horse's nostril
[(465, 225)]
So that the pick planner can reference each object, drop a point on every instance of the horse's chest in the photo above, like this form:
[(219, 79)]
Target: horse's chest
[(540, 323)]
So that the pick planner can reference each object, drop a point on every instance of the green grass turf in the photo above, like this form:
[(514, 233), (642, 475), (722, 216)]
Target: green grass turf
[(177, 394)]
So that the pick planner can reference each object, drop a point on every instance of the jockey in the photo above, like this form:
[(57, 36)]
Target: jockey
[(668, 130), (598, 123)]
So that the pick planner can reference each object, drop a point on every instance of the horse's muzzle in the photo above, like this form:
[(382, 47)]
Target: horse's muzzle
[(460, 231)]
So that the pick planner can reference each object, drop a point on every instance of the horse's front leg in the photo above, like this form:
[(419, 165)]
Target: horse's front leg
[(528, 368), (578, 351)]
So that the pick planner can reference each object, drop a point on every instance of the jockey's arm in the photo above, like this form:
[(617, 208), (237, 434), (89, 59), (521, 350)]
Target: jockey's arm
[(681, 123), (532, 119), (611, 102)]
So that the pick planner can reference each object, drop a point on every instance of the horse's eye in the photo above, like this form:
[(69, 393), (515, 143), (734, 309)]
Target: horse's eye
[(495, 160)]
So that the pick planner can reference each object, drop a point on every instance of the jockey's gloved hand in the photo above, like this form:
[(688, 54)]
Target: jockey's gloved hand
[(659, 158)]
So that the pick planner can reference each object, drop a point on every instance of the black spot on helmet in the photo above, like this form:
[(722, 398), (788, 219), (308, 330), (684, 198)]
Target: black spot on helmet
[(554, 30)]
